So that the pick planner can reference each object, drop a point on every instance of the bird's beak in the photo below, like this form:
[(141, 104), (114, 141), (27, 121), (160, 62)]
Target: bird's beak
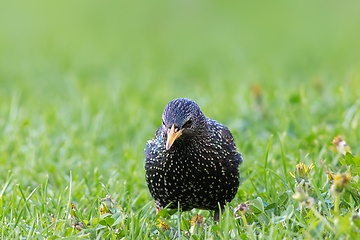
[(172, 136)]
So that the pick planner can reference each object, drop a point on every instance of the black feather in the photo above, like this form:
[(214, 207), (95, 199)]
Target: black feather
[(201, 169)]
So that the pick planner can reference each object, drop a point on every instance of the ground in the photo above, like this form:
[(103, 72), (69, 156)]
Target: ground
[(83, 85)]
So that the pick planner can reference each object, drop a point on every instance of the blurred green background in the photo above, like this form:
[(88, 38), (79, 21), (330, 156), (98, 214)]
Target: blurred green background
[(83, 83)]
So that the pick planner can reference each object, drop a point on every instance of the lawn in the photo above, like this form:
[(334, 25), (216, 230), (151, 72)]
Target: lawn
[(83, 85)]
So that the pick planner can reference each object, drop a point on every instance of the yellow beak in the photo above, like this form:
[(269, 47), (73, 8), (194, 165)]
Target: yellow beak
[(172, 136)]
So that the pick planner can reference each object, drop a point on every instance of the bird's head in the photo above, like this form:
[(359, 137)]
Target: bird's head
[(182, 118)]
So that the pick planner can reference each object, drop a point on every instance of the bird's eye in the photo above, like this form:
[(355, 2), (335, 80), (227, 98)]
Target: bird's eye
[(163, 122), (188, 123)]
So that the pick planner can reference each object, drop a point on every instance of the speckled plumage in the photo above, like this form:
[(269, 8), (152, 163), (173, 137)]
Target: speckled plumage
[(200, 169)]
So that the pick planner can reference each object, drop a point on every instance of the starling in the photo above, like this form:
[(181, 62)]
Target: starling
[(192, 160)]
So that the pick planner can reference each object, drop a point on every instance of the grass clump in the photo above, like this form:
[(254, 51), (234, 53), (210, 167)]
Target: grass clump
[(81, 93)]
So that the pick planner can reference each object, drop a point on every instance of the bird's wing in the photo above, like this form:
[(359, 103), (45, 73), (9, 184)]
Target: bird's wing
[(227, 142), (153, 147)]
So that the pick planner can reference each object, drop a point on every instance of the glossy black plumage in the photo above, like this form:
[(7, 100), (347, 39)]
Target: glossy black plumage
[(200, 168)]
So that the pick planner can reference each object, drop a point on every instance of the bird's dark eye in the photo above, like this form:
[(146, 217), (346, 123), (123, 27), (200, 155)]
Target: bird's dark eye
[(188, 123), (163, 123)]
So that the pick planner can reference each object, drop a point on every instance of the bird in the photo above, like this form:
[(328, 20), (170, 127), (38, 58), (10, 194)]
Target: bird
[(192, 161)]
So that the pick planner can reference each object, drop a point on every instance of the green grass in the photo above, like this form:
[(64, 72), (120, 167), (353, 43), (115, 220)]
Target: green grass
[(83, 85)]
